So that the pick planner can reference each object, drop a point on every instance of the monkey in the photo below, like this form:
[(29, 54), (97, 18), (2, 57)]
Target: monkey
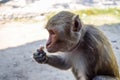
[(86, 50)]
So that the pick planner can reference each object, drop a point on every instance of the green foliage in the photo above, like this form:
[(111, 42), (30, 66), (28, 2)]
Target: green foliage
[(96, 16), (112, 11)]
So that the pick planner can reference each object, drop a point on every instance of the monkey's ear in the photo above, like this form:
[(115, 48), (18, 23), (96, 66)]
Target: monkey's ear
[(76, 23)]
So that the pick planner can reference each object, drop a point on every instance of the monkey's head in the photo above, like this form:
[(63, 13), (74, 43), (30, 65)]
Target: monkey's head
[(64, 32)]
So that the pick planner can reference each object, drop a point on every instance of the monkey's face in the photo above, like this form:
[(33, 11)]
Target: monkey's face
[(64, 32), (56, 41)]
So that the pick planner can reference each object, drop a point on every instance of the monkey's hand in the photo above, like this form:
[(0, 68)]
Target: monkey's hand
[(40, 56)]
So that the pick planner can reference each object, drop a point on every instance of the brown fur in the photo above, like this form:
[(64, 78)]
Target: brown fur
[(86, 49)]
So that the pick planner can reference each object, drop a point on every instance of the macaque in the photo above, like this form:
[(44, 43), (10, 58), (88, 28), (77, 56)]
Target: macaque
[(86, 50)]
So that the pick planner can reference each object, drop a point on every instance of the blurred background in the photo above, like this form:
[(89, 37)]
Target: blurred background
[(22, 31)]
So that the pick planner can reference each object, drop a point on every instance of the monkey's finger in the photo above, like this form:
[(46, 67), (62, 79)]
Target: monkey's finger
[(41, 48)]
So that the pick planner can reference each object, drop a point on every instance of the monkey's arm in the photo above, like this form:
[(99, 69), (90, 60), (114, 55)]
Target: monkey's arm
[(53, 60), (58, 62), (105, 78)]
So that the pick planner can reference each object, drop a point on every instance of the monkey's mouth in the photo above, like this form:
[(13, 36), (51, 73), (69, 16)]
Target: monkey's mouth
[(51, 47), (49, 44)]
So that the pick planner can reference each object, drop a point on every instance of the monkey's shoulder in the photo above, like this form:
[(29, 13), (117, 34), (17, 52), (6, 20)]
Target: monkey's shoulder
[(95, 39), (94, 34), (92, 30)]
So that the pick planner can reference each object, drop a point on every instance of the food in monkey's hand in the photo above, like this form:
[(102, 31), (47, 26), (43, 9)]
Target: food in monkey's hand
[(40, 56)]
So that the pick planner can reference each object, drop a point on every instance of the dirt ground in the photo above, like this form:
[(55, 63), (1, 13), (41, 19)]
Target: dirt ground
[(18, 41)]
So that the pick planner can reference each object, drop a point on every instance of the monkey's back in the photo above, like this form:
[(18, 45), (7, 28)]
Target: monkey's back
[(101, 57)]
